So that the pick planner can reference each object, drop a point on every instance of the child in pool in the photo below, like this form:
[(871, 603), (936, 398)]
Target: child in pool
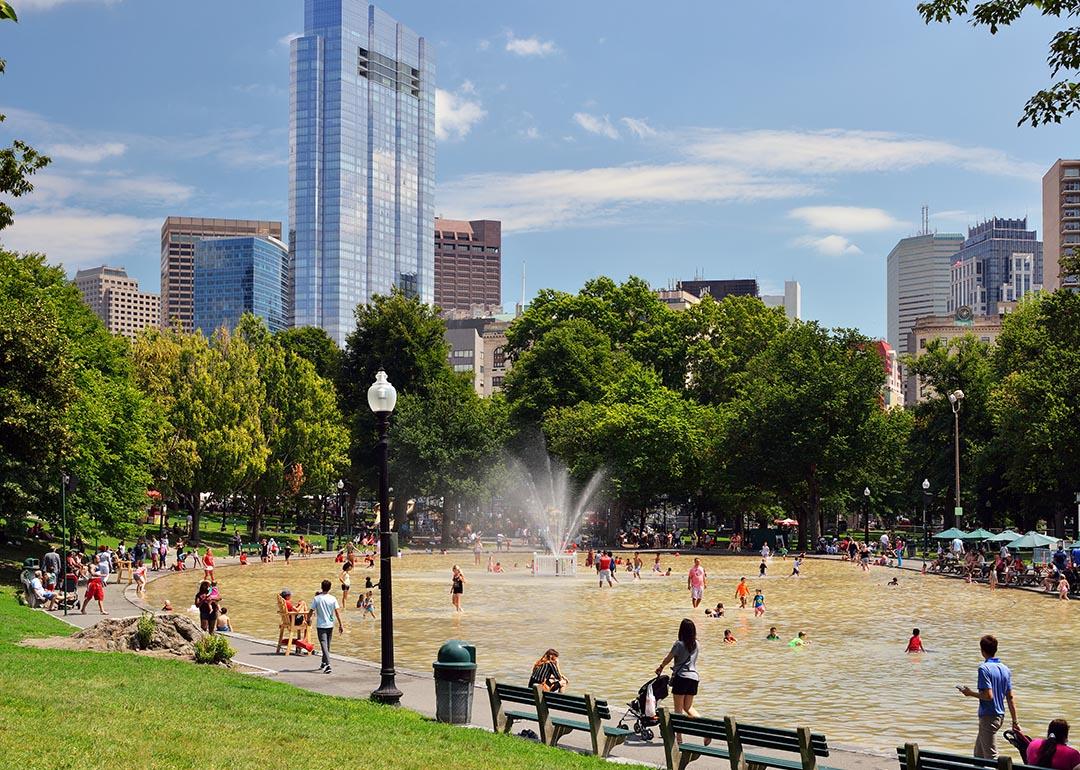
[(915, 642), (729, 638), (718, 612), (759, 603), (773, 636)]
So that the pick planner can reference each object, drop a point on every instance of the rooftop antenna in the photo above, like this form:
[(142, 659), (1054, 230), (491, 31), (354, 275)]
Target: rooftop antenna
[(521, 307), (925, 219)]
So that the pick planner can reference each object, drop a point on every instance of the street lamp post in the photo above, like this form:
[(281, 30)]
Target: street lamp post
[(64, 480), (342, 513), (866, 516), (381, 398), (925, 502), (954, 399)]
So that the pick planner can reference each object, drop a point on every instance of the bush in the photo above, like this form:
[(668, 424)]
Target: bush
[(144, 631), (213, 649)]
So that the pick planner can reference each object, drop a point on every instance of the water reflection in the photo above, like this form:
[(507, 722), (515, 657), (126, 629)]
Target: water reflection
[(854, 682)]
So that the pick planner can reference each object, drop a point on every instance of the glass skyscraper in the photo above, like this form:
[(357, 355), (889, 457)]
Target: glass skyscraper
[(1002, 261), (238, 275), (361, 163)]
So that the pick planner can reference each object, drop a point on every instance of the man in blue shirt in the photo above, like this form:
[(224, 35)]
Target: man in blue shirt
[(325, 609), (994, 692)]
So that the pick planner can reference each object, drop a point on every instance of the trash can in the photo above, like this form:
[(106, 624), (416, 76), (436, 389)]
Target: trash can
[(911, 550), (455, 674)]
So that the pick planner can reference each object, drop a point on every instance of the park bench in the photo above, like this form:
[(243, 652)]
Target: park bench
[(911, 757), (502, 719), (554, 726), (733, 738)]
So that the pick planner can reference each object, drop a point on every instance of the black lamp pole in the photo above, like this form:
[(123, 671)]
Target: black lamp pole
[(925, 503), (388, 693), (64, 479), (866, 517)]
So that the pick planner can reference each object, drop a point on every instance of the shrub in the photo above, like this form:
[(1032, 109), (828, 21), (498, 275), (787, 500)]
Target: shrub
[(144, 631), (213, 649)]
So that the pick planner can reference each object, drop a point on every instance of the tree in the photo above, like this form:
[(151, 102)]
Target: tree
[(1048, 105), (1036, 405), (799, 426), (19, 161), (444, 442), (316, 346), (722, 338), (209, 396), (647, 439), (306, 439), (963, 364)]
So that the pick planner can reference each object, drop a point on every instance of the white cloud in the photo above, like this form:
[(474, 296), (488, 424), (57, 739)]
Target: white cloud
[(53, 189), (639, 128), (47, 5), (845, 219), (483, 45), (529, 46), (544, 199), (87, 153), (286, 40), (531, 133), (596, 124), (455, 113), (81, 238), (836, 151), (829, 245)]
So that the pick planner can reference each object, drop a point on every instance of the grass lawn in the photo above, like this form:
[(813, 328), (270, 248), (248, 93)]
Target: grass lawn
[(63, 709)]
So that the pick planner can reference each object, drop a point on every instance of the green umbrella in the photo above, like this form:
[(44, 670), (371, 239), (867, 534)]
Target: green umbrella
[(951, 534), (1005, 537), (1032, 540), (979, 534)]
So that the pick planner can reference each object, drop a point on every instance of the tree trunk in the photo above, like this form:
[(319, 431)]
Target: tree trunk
[(448, 506), (257, 515), (194, 501), (1059, 523)]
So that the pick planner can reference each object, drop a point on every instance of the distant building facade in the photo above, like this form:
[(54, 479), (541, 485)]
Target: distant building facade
[(117, 300), (739, 287), (892, 394), (918, 281), (178, 238), (485, 352), (240, 275), (361, 163), (1061, 221), (467, 354), (790, 300), (1001, 261), (468, 265), (677, 299), (946, 327)]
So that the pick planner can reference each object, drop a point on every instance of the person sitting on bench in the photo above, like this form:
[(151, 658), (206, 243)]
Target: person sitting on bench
[(546, 673)]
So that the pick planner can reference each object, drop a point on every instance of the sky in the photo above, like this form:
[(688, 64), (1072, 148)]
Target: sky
[(774, 141)]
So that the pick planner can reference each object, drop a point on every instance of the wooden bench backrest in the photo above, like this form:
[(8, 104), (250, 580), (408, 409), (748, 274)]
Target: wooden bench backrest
[(575, 704), (779, 739), (940, 760), (701, 727), (514, 694)]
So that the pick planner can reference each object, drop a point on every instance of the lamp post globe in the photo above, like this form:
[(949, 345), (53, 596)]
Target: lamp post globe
[(866, 516), (381, 399)]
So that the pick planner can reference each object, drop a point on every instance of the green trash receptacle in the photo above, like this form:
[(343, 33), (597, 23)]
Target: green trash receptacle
[(455, 676)]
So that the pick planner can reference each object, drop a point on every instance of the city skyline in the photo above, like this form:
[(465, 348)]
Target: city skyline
[(745, 168)]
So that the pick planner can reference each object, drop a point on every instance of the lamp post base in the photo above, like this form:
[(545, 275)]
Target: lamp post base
[(388, 694)]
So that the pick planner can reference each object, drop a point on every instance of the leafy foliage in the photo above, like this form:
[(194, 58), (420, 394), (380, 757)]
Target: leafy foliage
[(1049, 105), (214, 650)]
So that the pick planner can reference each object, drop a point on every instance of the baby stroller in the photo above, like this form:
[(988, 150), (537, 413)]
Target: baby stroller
[(643, 707)]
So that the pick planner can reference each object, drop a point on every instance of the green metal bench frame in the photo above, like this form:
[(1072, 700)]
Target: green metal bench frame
[(553, 728), (911, 757), (502, 720)]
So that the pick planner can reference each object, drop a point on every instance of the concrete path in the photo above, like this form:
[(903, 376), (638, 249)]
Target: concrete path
[(354, 678)]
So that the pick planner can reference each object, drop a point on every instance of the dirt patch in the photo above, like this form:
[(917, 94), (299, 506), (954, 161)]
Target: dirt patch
[(174, 635)]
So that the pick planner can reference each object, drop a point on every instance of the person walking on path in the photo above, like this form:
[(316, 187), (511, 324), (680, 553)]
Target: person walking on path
[(208, 564), (325, 609), (994, 691), (696, 583)]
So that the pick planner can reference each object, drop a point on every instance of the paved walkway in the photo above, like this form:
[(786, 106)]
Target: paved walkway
[(354, 678)]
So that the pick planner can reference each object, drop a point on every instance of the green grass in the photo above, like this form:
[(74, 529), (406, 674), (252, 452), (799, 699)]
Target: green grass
[(63, 709)]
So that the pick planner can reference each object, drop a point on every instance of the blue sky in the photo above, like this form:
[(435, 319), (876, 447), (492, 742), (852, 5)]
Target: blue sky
[(768, 140)]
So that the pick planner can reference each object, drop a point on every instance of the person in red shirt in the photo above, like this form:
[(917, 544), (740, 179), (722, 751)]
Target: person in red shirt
[(604, 565), (95, 590), (915, 642)]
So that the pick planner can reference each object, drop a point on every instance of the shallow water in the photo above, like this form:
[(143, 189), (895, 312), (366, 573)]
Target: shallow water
[(854, 682)]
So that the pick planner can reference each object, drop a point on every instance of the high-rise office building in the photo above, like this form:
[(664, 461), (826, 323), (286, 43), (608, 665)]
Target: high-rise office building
[(245, 274), (116, 299), (468, 265), (918, 282), (1001, 261), (790, 300), (740, 287), (178, 238), (1061, 221), (361, 163)]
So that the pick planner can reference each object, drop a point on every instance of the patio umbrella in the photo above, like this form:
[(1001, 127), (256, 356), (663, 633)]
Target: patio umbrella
[(951, 534), (1032, 540), (979, 534), (1004, 537), (786, 522)]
